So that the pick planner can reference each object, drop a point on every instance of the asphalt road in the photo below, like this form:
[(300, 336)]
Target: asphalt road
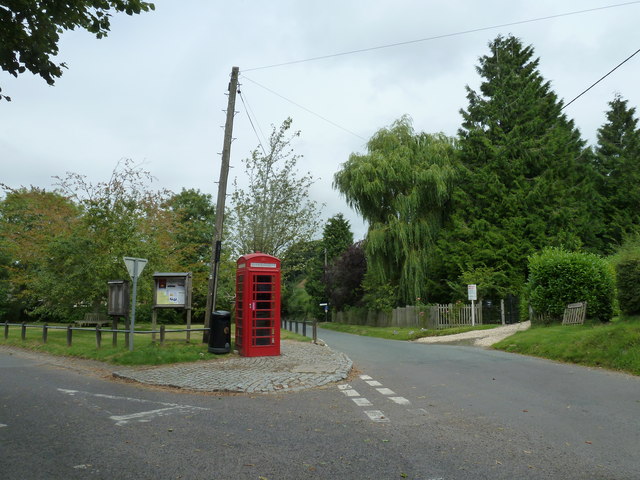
[(411, 411), (585, 417)]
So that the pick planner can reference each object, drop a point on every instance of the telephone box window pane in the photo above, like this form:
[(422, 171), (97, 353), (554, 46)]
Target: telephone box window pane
[(263, 287), (264, 279)]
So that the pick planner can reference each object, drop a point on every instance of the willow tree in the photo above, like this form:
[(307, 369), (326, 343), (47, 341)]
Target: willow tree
[(402, 187)]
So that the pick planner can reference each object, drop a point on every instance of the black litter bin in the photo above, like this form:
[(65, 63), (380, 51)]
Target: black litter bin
[(220, 333)]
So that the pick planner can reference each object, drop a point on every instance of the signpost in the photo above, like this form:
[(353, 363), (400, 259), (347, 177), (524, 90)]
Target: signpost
[(315, 322), (472, 292), (134, 267)]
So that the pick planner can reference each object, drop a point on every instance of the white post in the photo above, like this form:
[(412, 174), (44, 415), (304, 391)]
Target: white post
[(473, 313), (502, 310)]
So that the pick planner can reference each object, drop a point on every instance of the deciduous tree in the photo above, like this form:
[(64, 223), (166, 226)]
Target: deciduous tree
[(30, 30), (274, 211), (402, 186), (30, 218), (344, 277)]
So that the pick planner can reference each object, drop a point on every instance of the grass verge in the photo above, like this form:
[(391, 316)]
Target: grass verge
[(145, 352), (614, 345), (398, 333)]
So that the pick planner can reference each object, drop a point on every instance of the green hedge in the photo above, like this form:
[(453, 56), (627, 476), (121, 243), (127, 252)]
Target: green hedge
[(628, 281), (558, 277)]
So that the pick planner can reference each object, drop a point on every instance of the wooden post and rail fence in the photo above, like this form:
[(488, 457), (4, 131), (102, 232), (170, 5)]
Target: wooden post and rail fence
[(97, 330)]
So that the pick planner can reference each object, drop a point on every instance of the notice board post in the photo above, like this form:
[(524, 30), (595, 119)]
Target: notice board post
[(118, 304)]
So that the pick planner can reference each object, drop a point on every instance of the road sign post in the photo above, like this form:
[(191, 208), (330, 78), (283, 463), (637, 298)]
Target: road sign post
[(134, 267)]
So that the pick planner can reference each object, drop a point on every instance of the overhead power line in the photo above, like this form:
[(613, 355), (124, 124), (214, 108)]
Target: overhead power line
[(305, 108), (248, 112), (437, 37), (602, 78)]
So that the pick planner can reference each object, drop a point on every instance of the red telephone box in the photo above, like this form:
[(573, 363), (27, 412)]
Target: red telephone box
[(258, 305)]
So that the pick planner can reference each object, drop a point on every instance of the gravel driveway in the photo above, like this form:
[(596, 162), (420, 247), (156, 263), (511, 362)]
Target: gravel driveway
[(478, 338)]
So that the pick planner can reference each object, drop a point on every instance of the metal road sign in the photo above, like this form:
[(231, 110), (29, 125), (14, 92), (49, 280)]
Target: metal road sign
[(131, 262)]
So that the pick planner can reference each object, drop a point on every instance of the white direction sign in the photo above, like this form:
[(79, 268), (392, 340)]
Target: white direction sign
[(131, 262)]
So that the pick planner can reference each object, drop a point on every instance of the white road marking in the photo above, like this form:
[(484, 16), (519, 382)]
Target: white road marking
[(362, 402), (376, 415), (146, 416), (418, 411), (400, 400), (386, 391), (346, 386), (3, 425), (365, 377), (143, 417), (351, 393), (374, 383)]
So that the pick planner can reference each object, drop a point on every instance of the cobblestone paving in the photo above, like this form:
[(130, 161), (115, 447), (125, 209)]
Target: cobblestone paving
[(299, 366)]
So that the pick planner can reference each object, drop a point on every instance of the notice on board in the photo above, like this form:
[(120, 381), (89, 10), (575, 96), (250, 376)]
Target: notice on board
[(171, 292)]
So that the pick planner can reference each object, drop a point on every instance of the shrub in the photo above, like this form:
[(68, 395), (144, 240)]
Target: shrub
[(558, 277), (627, 281), (626, 262)]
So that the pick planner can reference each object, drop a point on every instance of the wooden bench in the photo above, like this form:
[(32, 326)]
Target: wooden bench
[(93, 320), (574, 314)]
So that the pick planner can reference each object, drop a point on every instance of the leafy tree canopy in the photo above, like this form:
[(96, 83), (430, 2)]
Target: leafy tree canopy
[(402, 186), (344, 277), (30, 30), (275, 211)]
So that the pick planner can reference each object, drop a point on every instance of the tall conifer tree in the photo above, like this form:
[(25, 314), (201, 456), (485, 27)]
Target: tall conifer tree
[(526, 170), (618, 166)]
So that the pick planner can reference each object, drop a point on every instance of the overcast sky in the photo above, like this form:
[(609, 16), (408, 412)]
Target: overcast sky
[(154, 89)]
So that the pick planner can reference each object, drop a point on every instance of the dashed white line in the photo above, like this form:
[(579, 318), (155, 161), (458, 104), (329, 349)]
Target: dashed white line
[(3, 425), (386, 391), (351, 393), (418, 411), (376, 416)]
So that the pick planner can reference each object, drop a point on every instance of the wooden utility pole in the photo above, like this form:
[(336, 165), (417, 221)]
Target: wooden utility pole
[(222, 195)]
